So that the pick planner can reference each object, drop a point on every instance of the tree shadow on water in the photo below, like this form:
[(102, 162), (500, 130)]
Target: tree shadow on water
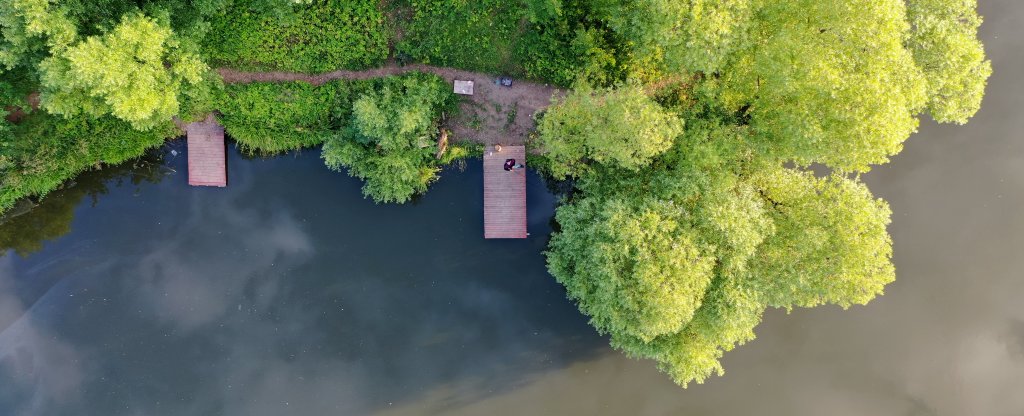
[(35, 221)]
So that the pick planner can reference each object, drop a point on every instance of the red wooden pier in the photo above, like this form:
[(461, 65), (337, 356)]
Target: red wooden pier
[(504, 193), (207, 165)]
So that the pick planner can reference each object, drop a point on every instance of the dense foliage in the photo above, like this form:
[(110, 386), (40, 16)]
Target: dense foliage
[(391, 137), (618, 128), (465, 34), (270, 118), (46, 150), (549, 40), (109, 75), (135, 72), (319, 37), (677, 255)]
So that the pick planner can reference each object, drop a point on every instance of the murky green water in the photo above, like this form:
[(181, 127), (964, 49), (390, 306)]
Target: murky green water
[(285, 293), (288, 294)]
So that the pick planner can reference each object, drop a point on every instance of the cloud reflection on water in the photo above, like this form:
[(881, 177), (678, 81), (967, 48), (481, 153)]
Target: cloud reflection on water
[(265, 300), (37, 363)]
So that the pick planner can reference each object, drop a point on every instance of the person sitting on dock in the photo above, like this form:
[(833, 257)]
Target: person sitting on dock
[(509, 164)]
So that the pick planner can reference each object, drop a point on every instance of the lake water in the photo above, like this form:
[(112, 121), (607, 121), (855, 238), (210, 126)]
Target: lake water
[(287, 293)]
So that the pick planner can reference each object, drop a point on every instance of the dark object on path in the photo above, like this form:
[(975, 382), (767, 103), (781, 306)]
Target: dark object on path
[(504, 81), (403, 59), (509, 164)]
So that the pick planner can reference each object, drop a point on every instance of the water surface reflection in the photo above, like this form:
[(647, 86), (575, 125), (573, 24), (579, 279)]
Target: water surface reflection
[(285, 293)]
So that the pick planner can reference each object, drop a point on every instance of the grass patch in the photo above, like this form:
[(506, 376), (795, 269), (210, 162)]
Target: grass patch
[(268, 118), (478, 35), (319, 37)]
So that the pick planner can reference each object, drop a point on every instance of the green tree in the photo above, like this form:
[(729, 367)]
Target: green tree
[(135, 72), (681, 36), (678, 261), (631, 265), (391, 138), (830, 244), (827, 82), (944, 40), (31, 27), (620, 128), (836, 82)]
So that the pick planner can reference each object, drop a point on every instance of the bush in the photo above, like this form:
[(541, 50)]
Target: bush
[(390, 138), (50, 150), (620, 128), (478, 35), (270, 118)]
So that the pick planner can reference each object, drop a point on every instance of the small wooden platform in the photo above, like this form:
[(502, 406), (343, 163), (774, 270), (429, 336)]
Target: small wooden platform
[(504, 193), (207, 164), (463, 87)]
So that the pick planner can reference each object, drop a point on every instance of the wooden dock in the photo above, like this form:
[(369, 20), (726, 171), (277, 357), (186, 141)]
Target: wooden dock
[(504, 193), (207, 163)]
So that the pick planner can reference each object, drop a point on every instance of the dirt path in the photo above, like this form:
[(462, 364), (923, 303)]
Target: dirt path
[(492, 115)]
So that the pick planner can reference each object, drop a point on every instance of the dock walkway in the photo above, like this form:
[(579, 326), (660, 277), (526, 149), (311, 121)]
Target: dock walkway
[(207, 163), (504, 193)]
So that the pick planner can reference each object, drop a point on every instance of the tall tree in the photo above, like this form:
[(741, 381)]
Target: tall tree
[(134, 72), (631, 264), (681, 274), (944, 40), (619, 127), (391, 138), (830, 244), (30, 28), (836, 82), (683, 36), (827, 82)]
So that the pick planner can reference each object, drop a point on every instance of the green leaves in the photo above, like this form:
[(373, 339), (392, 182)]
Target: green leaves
[(944, 41), (678, 259), (320, 37), (835, 82), (270, 118), (389, 140), (620, 128), (827, 82), (134, 72), (24, 25), (683, 36), (475, 34), (830, 245), (631, 265), (46, 150)]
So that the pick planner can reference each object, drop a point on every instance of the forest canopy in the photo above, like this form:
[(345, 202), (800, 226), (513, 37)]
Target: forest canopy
[(687, 136), (677, 254)]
